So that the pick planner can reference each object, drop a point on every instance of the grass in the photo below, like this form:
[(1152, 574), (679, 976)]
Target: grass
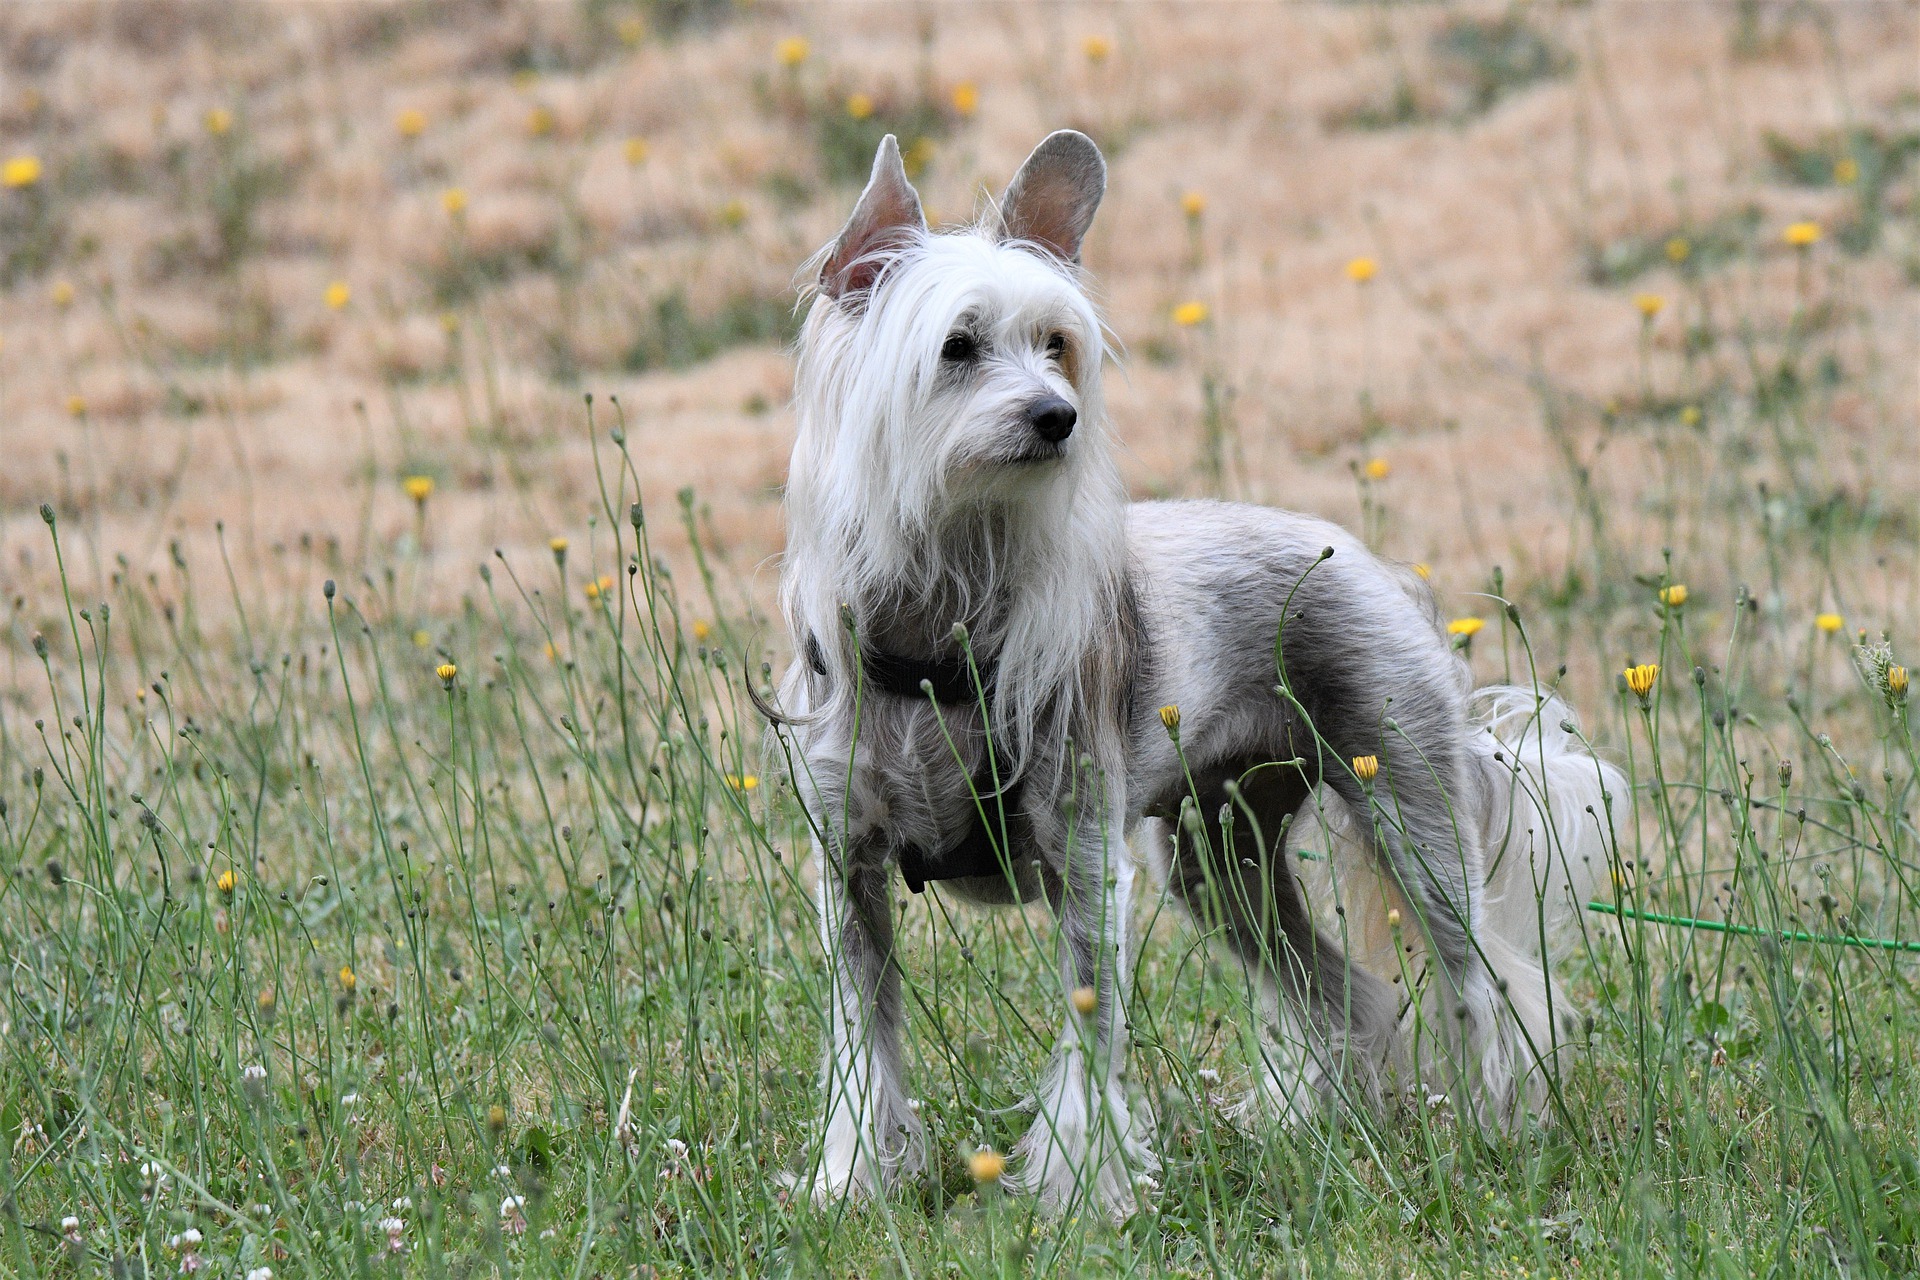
[(316, 952)]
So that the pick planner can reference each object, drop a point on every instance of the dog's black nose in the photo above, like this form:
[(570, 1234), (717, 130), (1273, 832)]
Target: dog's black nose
[(1052, 418)]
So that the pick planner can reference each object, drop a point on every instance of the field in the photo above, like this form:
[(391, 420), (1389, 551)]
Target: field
[(393, 415)]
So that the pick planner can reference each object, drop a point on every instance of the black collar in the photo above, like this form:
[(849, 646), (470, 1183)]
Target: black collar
[(951, 678)]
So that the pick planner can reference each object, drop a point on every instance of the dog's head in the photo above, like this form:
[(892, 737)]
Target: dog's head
[(963, 368)]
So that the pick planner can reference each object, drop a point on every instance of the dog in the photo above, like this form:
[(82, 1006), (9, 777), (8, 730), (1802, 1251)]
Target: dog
[(1006, 672)]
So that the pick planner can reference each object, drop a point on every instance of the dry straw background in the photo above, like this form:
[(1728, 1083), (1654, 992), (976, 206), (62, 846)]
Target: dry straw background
[(638, 184)]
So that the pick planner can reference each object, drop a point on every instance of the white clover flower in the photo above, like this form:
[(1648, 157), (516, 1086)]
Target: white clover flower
[(676, 1148), (1207, 1075), (513, 1216), (402, 1204), (260, 1273)]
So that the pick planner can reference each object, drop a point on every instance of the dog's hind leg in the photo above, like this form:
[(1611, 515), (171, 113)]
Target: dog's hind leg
[(872, 1138), (1087, 1144), (1330, 1025)]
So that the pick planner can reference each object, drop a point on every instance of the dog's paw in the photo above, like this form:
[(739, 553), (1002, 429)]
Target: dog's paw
[(1077, 1154)]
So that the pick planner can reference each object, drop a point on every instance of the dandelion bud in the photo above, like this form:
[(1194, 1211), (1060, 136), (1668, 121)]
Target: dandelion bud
[(559, 548), (1674, 595), (1366, 768), (1897, 683), (326, 588), (1085, 1001), (446, 671), (227, 882), (986, 1165), (1170, 719)]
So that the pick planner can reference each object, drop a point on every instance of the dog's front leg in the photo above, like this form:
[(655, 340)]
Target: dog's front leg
[(1086, 1143), (872, 1138)]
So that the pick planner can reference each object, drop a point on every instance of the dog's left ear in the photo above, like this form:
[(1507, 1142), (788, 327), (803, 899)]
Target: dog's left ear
[(887, 217), (1051, 201)]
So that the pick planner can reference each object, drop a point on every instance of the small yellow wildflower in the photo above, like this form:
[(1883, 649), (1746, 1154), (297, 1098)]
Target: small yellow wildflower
[(419, 488), (422, 638), (76, 406), (632, 29), (701, 630), (1897, 681), (966, 99), (918, 155), (1393, 917), (792, 51), (20, 171), (1466, 626), (348, 980), (1085, 1000), (1193, 203), (558, 546), (1170, 718), (743, 781), (1366, 768), (733, 213), (539, 122), (1674, 595), (227, 882), (1650, 304), (267, 1003), (1829, 622), (1189, 314), (859, 105), (219, 121), (635, 149), (1097, 49), (1361, 270), (446, 671), (1690, 416), (1802, 235), (1846, 171), (454, 201), (338, 294), (1641, 678), (986, 1165), (598, 586), (1679, 249), (410, 123), (1378, 468), (1425, 571), (61, 293), (449, 323)]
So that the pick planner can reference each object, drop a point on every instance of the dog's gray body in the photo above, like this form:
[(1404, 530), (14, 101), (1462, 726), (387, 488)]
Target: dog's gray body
[(919, 500)]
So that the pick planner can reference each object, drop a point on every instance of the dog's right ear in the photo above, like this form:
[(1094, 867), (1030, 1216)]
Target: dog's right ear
[(887, 218)]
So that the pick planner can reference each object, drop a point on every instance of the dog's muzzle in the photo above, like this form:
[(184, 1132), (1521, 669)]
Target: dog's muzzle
[(1052, 418)]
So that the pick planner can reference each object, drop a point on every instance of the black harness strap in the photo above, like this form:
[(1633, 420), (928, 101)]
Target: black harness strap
[(981, 849)]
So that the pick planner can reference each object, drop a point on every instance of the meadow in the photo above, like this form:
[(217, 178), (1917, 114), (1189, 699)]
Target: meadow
[(393, 875)]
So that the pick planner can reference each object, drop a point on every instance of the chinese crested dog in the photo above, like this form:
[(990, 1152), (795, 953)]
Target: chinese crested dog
[(1006, 672)]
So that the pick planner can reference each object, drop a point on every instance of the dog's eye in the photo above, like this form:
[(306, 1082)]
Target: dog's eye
[(1056, 345), (959, 346)]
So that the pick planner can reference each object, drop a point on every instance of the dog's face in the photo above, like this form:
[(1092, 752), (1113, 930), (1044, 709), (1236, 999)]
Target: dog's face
[(961, 368)]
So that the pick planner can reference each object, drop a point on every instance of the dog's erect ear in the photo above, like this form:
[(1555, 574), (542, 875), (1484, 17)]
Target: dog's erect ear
[(1052, 199), (887, 217)]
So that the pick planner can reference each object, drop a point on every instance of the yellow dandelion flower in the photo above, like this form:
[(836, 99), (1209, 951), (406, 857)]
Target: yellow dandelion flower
[(966, 98), (338, 294), (1097, 49), (1846, 171), (219, 122), (1085, 1000), (743, 782), (61, 293), (227, 882), (1641, 678), (635, 149), (1829, 622), (497, 1118), (1170, 718), (1897, 680), (1189, 314), (701, 630), (446, 671), (76, 406), (20, 171), (1361, 270), (454, 201), (1378, 468), (348, 979), (1690, 416), (410, 123), (558, 546), (598, 587), (792, 51), (1678, 249), (1802, 235), (1193, 203), (539, 122), (1468, 627), (419, 488), (1674, 595), (1649, 304), (1425, 571), (986, 1165), (859, 105), (422, 639), (632, 29), (1366, 768)]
